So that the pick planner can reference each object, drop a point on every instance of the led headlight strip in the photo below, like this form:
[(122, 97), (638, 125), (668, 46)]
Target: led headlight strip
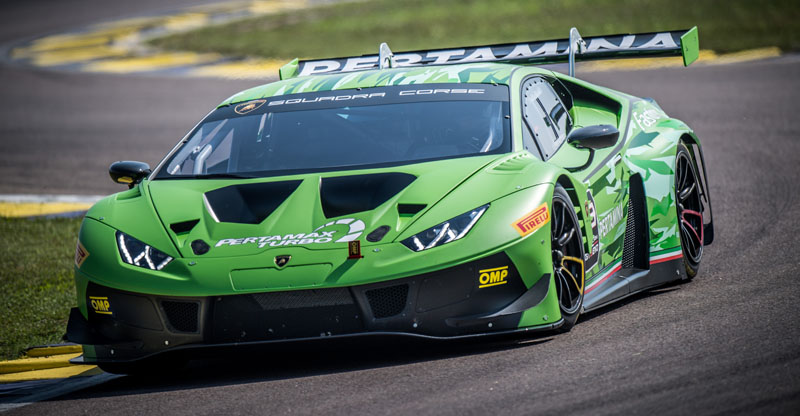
[(137, 253), (445, 232)]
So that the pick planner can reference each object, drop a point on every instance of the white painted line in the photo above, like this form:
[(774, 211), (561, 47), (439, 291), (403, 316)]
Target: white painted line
[(66, 386)]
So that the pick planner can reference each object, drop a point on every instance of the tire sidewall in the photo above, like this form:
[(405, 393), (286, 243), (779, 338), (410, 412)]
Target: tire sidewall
[(570, 319)]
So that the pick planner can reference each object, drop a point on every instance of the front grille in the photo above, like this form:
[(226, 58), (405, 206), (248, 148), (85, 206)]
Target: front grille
[(387, 301), (303, 299), (284, 315), (181, 316)]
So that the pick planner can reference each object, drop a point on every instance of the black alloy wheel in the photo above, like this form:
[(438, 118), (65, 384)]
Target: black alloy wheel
[(689, 205), (567, 248)]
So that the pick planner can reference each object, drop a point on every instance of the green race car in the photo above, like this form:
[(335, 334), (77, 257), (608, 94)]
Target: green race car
[(440, 194)]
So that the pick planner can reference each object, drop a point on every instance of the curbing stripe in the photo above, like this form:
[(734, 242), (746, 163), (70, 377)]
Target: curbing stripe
[(19, 205), (20, 210), (38, 363), (49, 350), (119, 46), (51, 373), (707, 57)]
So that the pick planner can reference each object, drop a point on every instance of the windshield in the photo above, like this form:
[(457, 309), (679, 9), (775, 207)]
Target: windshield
[(345, 130)]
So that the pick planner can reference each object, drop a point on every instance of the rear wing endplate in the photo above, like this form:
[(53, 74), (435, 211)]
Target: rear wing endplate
[(683, 43)]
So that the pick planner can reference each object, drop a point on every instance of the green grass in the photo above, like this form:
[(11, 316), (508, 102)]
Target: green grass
[(358, 28), (36, 264)]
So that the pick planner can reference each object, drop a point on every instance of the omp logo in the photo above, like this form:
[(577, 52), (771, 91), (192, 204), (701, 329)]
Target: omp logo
[(532, 221), (100, 304), (493, 277)]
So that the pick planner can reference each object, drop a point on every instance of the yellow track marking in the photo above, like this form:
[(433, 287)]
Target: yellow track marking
[(748, 55), (38, 363), (71, 56), (51, 373), (250, 69), (707, 57), (30, 209), (54, 350), (185, 21), (150, 63)]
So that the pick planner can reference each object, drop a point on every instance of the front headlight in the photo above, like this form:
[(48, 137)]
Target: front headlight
[(445, 232), (137, 253)]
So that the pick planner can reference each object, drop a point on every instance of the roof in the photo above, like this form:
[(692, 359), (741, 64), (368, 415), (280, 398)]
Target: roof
[(482, 73)]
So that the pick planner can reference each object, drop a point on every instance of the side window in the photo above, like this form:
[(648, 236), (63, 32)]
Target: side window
[(545, 116)]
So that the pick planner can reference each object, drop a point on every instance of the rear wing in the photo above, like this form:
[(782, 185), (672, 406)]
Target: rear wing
[(657, 44)]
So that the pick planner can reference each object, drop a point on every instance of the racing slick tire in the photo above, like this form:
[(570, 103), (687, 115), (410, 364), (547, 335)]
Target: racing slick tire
[(689, 209), (567, 248)]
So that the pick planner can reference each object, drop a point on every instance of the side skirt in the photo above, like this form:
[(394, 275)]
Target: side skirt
[(616, 283)]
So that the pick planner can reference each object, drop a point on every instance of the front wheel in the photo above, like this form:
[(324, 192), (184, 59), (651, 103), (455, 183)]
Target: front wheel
[(567, 247), (689, 206)]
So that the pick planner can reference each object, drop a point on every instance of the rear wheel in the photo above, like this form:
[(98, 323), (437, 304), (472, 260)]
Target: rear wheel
[(689, 206), (567, 247)]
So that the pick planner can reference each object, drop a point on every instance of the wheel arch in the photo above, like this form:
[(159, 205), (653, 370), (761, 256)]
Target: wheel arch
[(577, 194)]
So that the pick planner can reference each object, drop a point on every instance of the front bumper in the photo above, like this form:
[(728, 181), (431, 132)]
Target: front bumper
[(486, 296)]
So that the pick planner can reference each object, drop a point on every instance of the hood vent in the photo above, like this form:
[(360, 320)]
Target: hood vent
[(409, 210), (183, 226), (250, 203), (346, 195)]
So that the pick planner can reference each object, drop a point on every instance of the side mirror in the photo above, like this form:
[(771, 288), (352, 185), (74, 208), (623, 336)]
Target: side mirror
[(128, 172), (592, 138)]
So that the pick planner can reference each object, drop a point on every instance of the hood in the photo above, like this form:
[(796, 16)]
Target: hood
[(222, 218)]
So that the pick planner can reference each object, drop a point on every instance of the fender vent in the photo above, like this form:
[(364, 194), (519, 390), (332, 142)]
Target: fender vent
[(514, 163), (636, 250), (387, 301)]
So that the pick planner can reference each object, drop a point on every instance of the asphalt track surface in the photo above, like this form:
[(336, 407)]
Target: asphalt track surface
[(726, 343)]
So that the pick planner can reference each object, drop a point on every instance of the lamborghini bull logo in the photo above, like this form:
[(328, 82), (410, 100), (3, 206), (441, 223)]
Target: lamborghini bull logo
[(321, 235)]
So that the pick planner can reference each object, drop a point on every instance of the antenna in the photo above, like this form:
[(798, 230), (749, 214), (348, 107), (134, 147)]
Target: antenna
[(575, 42), (385, 57)]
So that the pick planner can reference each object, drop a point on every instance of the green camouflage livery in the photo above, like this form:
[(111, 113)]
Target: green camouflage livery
[(628, 190)]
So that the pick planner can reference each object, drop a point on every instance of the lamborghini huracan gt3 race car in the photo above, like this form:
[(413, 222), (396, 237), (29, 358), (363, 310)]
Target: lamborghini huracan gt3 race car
[(439, 194)]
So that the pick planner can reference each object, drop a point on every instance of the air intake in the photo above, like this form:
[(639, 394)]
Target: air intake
[(181, 316), (249, 203), (346, 195), (183, 227), (636, 250), (387, 301)]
